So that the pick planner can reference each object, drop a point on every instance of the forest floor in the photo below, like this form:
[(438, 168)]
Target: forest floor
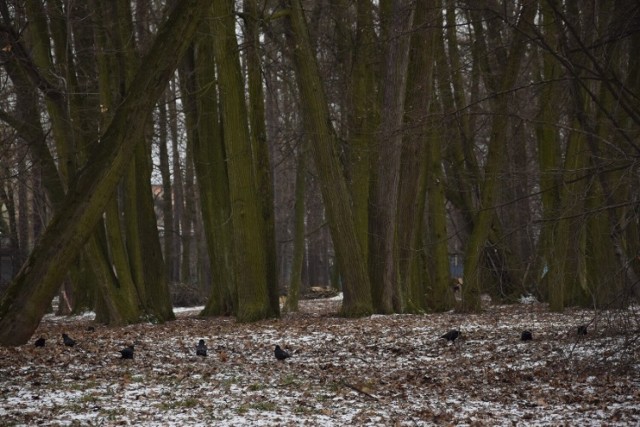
[(380, 370)]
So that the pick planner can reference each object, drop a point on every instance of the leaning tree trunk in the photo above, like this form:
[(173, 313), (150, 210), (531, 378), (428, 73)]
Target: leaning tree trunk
[(27, 298), (335, 194)]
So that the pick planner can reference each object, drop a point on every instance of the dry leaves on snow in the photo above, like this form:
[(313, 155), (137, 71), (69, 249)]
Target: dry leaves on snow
[(381, 370)]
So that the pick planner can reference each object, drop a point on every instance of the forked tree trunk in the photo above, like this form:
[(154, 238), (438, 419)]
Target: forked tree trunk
[(484, 215), (383, 211), (335, 194)]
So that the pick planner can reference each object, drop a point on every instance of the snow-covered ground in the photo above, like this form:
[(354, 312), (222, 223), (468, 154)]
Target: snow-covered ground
[(381, 370)]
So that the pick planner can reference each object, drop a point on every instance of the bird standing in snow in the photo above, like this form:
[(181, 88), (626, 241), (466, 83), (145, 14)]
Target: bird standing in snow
[(451, 335), (280, 353), (526, 335), (127, 352), (68, 341), (582, 330), (201, 349), (39, 342)]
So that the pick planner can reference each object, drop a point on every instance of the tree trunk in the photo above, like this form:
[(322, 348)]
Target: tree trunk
[(295, 280), (29, 295), (250, 260), (349, 255), (413, 177), (213, 183), (363, 119), (169, 234), (495, 159), (383, 256), (260, 149)]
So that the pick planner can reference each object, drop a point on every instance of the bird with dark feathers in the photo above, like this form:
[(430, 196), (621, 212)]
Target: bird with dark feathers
[(68, 341), (201, 349), (582, 330), (451, 335), (127, 352), (281, 354), (526, 335), (39, 342)]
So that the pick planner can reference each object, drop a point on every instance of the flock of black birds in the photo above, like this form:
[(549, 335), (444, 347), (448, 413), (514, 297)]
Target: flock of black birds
[(279, 353), (127, 352), (526, 335)]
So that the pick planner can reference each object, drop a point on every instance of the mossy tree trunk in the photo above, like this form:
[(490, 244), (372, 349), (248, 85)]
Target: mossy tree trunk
[(363, 119), (30, 293), (132, 237), (250, 259), (383, 215), (418, 141), (335, 193), (211, 171), (484, 215), (260, 147), (549, 157)]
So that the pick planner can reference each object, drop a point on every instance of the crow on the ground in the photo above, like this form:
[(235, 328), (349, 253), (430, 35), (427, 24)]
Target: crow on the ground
[(582, 330), (201, 348), (127, 352), (526, 335), (68, 341), (280, 353), (39, 342), (451, 335)]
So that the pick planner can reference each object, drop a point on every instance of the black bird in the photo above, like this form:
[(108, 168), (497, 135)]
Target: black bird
[(39, 342), (201, 348), (68, 341), (127, 352), (526, 336), (582, 330), (281, 354), (451, 335)]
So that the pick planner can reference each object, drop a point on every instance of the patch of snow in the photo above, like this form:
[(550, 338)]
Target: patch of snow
[(528, 299)]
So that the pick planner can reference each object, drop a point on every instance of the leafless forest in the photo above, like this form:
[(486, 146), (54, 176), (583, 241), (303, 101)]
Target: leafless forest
[(413, 155)]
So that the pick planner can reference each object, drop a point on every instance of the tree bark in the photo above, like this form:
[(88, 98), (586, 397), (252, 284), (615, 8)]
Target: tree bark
[(383, 215), (295, 281), (484, 216), (315, 112), (213, 183), (29, 295), (250, 259), (260, 148)]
